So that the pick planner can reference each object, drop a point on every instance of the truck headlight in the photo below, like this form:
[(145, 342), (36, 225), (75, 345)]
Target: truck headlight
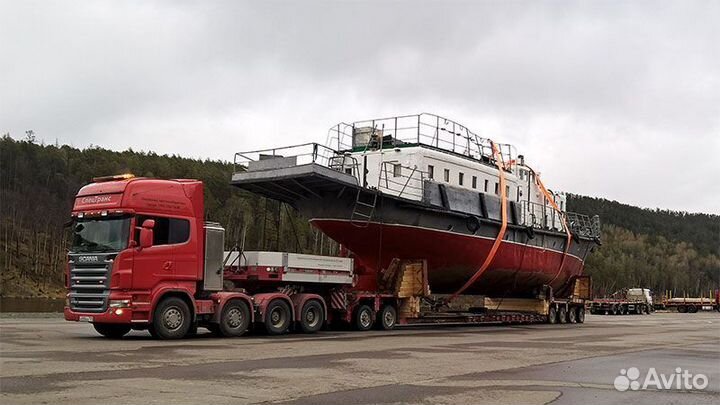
[(119, 303)]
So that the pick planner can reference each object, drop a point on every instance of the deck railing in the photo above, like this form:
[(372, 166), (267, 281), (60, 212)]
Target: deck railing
[(419, 129)]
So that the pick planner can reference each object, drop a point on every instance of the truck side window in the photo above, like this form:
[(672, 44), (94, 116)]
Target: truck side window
[(167, 230)]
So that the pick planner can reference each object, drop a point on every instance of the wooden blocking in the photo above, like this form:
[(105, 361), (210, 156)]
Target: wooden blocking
[(517, 305), (410, 307), (389, 275), (582, 288), (413, 280)]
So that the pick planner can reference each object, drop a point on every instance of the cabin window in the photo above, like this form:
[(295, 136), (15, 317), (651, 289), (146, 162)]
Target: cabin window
[(431, 171), (474, 182), (397, 170), (167, 231), (486, 185), (447, 175), (519, 193), (507, 191), (461, 177), (497, 189), (348, 170)]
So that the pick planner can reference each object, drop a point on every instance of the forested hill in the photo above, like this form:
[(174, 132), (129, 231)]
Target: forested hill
[(701, 230), (656, 249)]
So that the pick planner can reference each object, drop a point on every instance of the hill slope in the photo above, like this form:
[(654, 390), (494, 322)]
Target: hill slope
[(657, 249)]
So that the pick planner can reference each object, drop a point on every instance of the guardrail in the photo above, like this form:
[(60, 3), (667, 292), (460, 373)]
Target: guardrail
[(296, 155), (424, 129)]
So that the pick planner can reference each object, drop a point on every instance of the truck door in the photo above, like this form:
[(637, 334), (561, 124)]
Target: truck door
[(156, 263)]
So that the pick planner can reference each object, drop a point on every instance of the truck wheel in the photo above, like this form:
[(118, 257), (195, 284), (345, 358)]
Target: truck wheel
[(312, 317), (692, 309), (552, 315), (112, 330), (562, 314), (572, 315), (387, 318), (171, 319), (234, 319), (277, 317), (682, 309), (364, 318), (580, 315)]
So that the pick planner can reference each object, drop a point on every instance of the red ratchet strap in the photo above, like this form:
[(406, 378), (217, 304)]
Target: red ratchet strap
[(549, 197), (503, 215)]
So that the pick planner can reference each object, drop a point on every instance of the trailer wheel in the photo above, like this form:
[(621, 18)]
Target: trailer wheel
[(112, 330), (682, 309), (364, 318), (580, 315), (562, 314), (615, 309), (234, 319), (387, 318), (552, 315), (312, 317), (171, 319), (572, 315), (277, 317), (692, 309)]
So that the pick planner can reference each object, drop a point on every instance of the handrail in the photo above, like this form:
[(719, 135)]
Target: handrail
[(423, 129)]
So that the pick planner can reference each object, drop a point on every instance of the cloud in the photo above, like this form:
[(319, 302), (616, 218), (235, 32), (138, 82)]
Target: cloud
[(620, 100)]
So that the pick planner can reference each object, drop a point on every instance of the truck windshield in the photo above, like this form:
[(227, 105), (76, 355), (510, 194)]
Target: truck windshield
[(101, 234)]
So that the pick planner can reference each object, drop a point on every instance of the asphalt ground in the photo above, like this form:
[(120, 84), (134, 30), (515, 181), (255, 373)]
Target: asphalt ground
[(48, 360)]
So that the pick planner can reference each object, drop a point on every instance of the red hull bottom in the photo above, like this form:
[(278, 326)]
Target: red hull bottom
[(453, 258)]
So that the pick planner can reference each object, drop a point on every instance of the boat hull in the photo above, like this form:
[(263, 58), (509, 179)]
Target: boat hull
[(517, 269)]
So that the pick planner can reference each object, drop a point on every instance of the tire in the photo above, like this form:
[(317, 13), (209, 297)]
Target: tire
[(572, 315), (312, 317), (562, 314), (614, 310), (364, 318), (234, 319), (682, 309), (692, 309), (277, 317), (112, 330), (580, 315), (172, 319), (552, 315), (387, 318)]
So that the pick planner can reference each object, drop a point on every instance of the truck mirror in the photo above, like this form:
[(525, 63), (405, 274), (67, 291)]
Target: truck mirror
[(146, 237), (148, 224)]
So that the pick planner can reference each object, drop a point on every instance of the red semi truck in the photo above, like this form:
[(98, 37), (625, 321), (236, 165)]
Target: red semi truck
[(143, 257)]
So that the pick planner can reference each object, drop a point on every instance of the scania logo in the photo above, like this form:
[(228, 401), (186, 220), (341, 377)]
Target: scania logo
[(88, 259)]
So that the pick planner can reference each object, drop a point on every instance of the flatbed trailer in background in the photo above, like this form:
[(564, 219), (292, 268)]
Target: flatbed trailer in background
[(690, 304), (632, 301)]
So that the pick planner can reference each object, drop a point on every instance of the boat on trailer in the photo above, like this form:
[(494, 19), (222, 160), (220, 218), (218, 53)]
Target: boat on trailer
[(425, 187)]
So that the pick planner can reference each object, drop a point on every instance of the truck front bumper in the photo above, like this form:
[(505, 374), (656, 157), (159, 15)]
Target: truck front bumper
[(112, 315)]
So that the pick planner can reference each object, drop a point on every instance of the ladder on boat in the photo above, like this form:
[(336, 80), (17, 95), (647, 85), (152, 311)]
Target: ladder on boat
[(365, 203)]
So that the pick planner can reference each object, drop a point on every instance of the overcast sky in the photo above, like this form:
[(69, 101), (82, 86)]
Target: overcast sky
[(612, 99)]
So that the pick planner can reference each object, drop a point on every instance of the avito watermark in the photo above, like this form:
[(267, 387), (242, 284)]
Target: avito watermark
[(629, 379)]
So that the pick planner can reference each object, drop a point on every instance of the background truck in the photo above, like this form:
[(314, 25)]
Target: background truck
[(631, 301), (143, 257), (690, 304)]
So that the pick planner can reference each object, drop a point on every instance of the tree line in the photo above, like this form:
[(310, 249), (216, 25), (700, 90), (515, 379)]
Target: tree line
[(656, 249)]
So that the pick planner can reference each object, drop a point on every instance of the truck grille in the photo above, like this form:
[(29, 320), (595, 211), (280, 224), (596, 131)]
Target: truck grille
[(90, 281)]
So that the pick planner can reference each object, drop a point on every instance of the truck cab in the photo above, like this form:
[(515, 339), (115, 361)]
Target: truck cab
[(135, 242)]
